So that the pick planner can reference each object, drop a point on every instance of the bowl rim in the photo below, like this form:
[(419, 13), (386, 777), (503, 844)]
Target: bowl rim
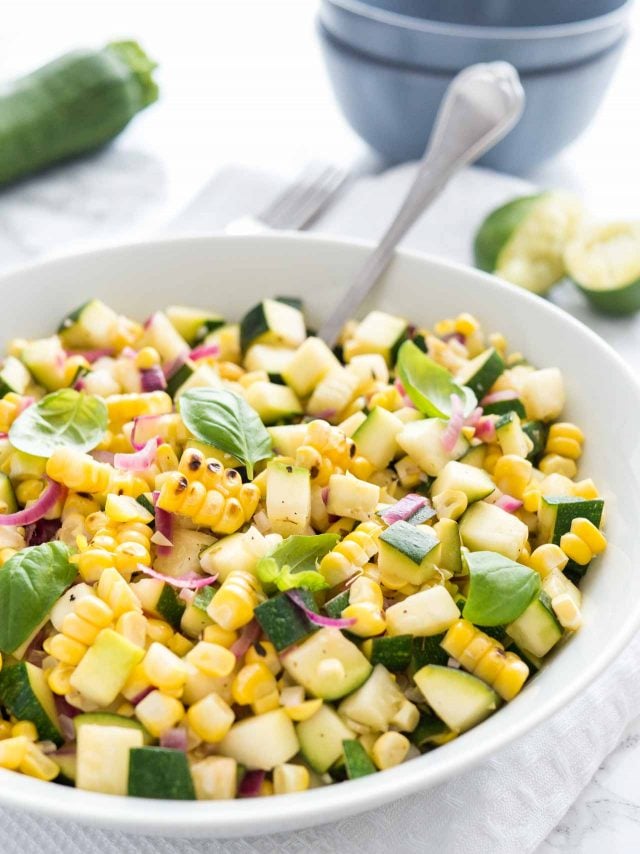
[(331, 803), (472, 31)]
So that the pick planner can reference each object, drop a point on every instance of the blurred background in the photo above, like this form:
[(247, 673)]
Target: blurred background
[(244, 82)]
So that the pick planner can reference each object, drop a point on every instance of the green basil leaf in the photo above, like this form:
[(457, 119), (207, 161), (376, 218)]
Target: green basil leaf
[(294, 562), (31, 582), (222, 419), (499, 589), (428, 385), (65, 418)]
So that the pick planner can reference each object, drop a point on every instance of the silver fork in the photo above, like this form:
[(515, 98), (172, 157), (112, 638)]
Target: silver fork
[(298, 204)]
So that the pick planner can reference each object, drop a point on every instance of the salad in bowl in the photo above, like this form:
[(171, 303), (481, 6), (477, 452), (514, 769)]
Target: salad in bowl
[(237, 563)]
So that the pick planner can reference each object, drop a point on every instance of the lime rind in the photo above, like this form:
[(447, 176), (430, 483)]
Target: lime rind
[(498, 228)]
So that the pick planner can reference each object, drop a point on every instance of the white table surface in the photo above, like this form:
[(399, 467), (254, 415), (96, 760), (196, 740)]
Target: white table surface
[(243, 82)]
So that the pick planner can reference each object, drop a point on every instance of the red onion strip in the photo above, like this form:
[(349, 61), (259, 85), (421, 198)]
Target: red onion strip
[(38, 509), (509, 503), (403, 509), (92, 355), (164, 525), (205, 351), (498, 397), (193, 583), (138, 421), (248, 636), (175, 739), (318, 619), (486, 429), (139, 460), (251, 784), (455, 425)]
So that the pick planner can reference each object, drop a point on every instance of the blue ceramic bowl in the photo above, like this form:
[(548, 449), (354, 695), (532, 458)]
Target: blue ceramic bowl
[(393, 107), (450, 34)]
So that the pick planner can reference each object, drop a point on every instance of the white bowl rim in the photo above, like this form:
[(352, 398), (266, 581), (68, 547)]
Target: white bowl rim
[(257, 816), (471, 31)]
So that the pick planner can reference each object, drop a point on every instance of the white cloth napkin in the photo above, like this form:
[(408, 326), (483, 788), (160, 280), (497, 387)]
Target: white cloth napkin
[(509, 803)]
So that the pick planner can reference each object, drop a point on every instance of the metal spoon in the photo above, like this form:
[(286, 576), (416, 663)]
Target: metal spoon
[(479, 108)]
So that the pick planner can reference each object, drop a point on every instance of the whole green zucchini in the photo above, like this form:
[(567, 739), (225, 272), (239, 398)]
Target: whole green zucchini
[(72, 105)]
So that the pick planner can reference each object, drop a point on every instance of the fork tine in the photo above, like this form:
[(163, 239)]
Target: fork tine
[(290, 193), (303, 200), (316, 204)]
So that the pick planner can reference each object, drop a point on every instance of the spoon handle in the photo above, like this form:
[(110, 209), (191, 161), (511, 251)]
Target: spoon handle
[(479, 108)]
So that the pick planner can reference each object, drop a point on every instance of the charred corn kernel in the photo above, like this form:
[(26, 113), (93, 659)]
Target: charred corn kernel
[(575, 548), (159, 631), (124, 508), (65, 649), (251, 683), (80, 630), (546, 558), (218, 635), (212, 659), (290, 778), (458, 638), (211, 718), (114, 590), (303, 711), (233, 605), (147, 358), (268, 703), (29, 490), (164, 669), (159, 712), (491, 458), (127, 556), (369, 619), (133, 626), (531, 498), (556, 464), (81, 504), (249, 498), (12, 752), (511, 678), (352, 553), (78, 471), (166, 458), (364, 589), (450, 504), (586, 489), (390, 749), (591, 535), (192, 464), (180, 645), (126, 407), (491, 664), (264, 653), (209, 507), (567, 612), (93, 610), (59, 679), (512, 474), (36, 764), (26, 729)]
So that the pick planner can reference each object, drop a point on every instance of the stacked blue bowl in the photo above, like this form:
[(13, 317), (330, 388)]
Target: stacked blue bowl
[(390, 61)]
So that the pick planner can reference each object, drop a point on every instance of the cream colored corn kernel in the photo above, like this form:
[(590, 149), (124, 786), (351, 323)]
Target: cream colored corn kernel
[(212, 659), (159, 712), (567, 612), (289, 778), (546, 558), (390, 749), (210, 718)]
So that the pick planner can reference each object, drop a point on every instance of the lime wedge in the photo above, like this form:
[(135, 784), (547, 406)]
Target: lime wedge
[(604, 262), (524, 240)]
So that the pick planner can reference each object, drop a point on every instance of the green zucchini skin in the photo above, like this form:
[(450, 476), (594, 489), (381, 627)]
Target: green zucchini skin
[(71, 106)]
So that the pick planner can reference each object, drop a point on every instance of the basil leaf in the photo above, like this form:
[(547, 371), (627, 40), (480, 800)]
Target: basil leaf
[(31, 582), (222, 419), (499, 589), (293, 563), (428, 385), (64, 418)]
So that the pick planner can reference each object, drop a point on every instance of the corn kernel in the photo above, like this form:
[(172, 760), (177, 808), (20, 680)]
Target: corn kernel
[(211, 718), (180, 645), (133, 626), (264, 653), (159, 631), (390, 749), (59, 679), (585, 489), (124, 508), (215, 778), (290, 778), (5, 729), (36, 764), (546, 558), (450, 504), (512, 474), (158, 712), (575, 548), (369, 619), (588, 532), (212, 659), (26, 729), (511, 677), (12, 752), (76, 628), (567, 612), (556, 464), (65, 649), (147, 357), (218, 635), (303, 711), (251, 683), (164, 669)]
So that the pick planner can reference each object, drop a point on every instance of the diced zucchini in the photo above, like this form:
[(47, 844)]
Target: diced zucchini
[(408, 552), (334, 607), (93, 325), (204, 376), (351, 424), (8, 503), (14, 377), (485, 527), (378, 333), (351, 497), (159, 772), (160, 600), (273, 360), (261, 742), (475, 456), (103, 757), (109, 719), (193, 324), (422, 440), (312, 361), (537, 629), (272, 322), (543, 394), (227, 340), (105, 667), (481, 373), (557, 512), (321, 738), (356, 759), (332, 394), (427, 650), (375, 703), (376, 437), (511, 437), (25, 694), (45, 359), (274, 403), (430, 732), (287, 438), (179, 376), (393, 652), (161, 334), (184, 557), (537, 432), (423, 614), (231, 552), (288, 498), (369, 368), (283, 622), (458, 698), (502, 407), (448, 532), (327, 664), (474, 482)]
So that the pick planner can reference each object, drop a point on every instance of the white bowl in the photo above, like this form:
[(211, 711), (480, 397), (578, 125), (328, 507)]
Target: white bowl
[(229, 274)]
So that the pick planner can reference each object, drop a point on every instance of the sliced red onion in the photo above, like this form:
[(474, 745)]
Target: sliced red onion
[(472, 419), (403, 509), (248, 636), (103, 456), (153, 379), (25, 403), (67, 727), (187, 595), (92, 355), (455, 425), (194, 582), (38, 509), (170, 368), (43, 531), (64, 708), (318, 619), (486, 429), (140, 697), (79, 385), (129, 353), (324, 492), (204, 351), (251, 784), (164, 524), (160, 540), (174, 739), (509, 503), (4, 435), (454, 336), (148, 421), (139, 460), (403, 394), (498, 397)]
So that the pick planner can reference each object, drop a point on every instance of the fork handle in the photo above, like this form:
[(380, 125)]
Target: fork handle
[(480, 106)]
